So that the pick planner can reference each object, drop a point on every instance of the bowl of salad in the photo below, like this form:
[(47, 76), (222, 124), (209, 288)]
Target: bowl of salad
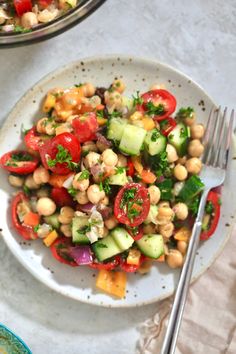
[(28, 21), (101, 186)]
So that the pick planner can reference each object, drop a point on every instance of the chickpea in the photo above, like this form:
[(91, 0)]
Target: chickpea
[(91, 159), (81, 184), (157, 87), (194, 165), (111, 223), (41, 175), (94, 101), (46, 15), (155, 194), (182, 247), (89, 146), (136, 116), (42, 192), (181, 211), (95, 194), (28, 20), (171, 153), (113, 100), (180, 172), (65, 5), (197, 131), (88, 89), (174, 259), (66, 215), (41, 124), (145, 267), (50, 128), (165, 215), (182, 160), (105, 200), (82, 198), (118, 85), (195, 148), (122, 161), (164, 204), (45, 206), (105, 232), (190, 120), (149, 229), (66, 230), (100, 146), (30, 183), (16, 181), (109, 158), (166, 230)]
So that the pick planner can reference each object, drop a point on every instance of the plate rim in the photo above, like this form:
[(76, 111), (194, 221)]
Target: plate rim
[(58, 71)]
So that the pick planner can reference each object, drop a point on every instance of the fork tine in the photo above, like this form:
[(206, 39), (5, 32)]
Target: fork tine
[(224, 156), (208, 127), (222, 127), (210, 148)]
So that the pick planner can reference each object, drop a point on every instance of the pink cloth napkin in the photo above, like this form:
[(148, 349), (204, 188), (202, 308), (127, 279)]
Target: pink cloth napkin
[(209, 321)]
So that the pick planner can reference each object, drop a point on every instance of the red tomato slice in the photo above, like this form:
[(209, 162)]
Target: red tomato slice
[(107, 266), (27, 232), (167, 125), (61, 251), (61, 197), (85, 127), (44, 3), (19, 161), (212, 197), (22, 6), (130, 168), (136, 233), (50, 152), (131, 268), (33, 140), (132, 204), (157, 97)]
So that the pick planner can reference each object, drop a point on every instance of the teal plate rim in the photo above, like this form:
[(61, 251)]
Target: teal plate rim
[(14, 340)]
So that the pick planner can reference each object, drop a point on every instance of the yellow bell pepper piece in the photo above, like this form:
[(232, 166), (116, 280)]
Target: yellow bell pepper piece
[(148, 123), (48, 241), (101, 121), (137, 164), (113, 283), (136, 116), (49, 102), (183, 234), (133, 256)]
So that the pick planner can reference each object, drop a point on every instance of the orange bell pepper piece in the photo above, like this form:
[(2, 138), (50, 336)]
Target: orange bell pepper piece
[(58, 180), (112, 283), (31, 219), (148, 177)]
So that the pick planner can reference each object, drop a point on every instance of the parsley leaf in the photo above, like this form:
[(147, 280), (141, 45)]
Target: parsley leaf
[(194, 205), (184, 113), (36, 227), (20, 29), (128, 195), (209, 208), (100, 114), (155, 110), (104, 185), (84, 175), (72, 191), (137, 100), (26, 190), (155, 135), (62, 156), (120, 170)]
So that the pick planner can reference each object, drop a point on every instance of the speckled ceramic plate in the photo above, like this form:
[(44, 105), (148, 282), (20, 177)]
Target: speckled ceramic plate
[(79, 283), (10, 343)]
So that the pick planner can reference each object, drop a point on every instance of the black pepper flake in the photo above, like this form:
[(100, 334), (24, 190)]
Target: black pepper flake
[(34, 101), (82, 63), (0, 230), (163, 287), (227, 224), (88, 297), (83, 69), (169, 80), (15, 125), (93, 275)]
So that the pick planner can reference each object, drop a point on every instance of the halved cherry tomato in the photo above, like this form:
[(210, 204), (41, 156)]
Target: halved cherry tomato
[(22, 6), (44, 3), (130, 168), (31, 219), (136, 232), (130, 196), (108, 265), (214, 198), (19, 161), (157, 97), (61, 197), (167, 125), (61, 251), (85, 127), (33, 140), (131, 268), (50, 152), (27, 232)]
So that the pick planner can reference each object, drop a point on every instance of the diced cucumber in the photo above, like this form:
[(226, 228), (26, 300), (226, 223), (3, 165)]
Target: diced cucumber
[(151, 245), (191, 188), (132, 139), (127, 102), (119, 179), (122, 238), (53, 220), (78, 224), (116, 128), (179, 137), (105, 248), (166, 188), (152, 215), (154, 142)]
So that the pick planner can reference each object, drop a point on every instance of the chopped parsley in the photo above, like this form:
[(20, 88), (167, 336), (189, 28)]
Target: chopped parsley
[(20, 29), (105, 186), (72, 191), (114, 114), (18, 157), (120, 170), (209, 208), (194, 205), (155, 135), (84, 175), (137, 100), (101, 245), (184, 113), (100, 114), (26, 190), (166, 189), (128, 195), (36, 228), (24, 131), (155, 110), (62, 156)]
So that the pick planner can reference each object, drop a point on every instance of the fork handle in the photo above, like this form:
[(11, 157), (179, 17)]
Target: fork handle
[(172, 331)]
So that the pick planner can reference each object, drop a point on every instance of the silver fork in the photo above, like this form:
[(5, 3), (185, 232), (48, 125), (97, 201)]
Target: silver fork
[(217, 141)]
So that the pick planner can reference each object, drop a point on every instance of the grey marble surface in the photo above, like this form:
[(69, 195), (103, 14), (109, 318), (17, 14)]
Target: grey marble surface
[(197, 37)]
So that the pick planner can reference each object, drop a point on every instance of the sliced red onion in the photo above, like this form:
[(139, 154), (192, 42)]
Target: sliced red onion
[(82, 167), (101, 138), (105, 211), (160, 179), (68, 182), (81, 254), (86, 208), (218, 189), (96, 170), (8, 28)]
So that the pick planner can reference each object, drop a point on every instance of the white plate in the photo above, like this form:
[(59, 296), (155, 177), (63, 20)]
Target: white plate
[(79, 283)]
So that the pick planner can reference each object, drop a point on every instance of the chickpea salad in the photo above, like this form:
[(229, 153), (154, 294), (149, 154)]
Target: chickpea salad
[(20, 16), (111, 182)]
